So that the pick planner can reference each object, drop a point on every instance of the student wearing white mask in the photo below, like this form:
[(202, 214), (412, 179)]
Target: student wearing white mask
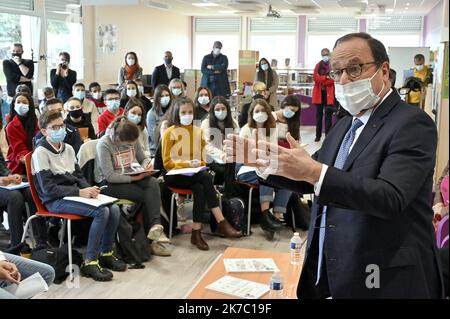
[(162, 101), (135, 112), (131, 89), (63, 77), (131, 70), (269, 77), (422, 72), (176, 86), (112, 101), (202, 101), (218, 123), (182, 147), (89, 108), (96, 96), (261, 118), (215, 71)]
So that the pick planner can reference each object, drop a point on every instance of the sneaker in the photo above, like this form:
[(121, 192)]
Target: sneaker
[(163, 239), (155, 232), (94, 271), (109, 261), (158, 249)]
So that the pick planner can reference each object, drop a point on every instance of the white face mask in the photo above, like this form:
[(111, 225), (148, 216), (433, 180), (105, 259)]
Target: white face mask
[(203, 100), (325, 58), (141, 89), (176, 91), (357, 96), (186, 119), (419, 67), (264, 67), (21, 109), (216, 51), (260, 117), (165, 100), (221, 115), (131, 62), (97, 95), (131, 93)]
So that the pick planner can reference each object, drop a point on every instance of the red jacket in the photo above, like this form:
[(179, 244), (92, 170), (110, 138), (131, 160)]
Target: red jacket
[(17, 137), (106, 118), (319, 81)]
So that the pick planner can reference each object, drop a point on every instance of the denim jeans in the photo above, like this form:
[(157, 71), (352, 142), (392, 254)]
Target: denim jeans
[(27, 267), (104, 226), (266, 193)]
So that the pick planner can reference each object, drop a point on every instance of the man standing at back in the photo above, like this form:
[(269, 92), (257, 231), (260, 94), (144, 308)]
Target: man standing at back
[(215, 72), (17, 70), (166, 72)]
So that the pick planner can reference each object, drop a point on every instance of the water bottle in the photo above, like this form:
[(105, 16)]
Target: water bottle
[(276, 285), (296, 246)]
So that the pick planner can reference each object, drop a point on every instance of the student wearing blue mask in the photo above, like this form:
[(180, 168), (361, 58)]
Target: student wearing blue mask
[(323, 94), (176, 86), (135, 112), (131, 90), (63, 78), (162, 100), (113, 110), (269, 77), (89, 107)]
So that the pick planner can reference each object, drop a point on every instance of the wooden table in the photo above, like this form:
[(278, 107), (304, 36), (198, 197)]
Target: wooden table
[(290, 273)]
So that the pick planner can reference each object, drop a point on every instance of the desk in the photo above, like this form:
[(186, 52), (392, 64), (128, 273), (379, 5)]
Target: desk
[(290, 273)]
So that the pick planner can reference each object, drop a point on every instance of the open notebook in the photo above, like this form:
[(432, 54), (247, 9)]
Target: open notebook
[(101, 200), (28, 287), (12, 187)]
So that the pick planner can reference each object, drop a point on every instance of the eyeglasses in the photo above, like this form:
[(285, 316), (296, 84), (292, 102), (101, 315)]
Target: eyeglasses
[(56, 127), (353, 70)]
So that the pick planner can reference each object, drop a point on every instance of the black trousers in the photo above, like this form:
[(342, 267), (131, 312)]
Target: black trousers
[(14, 202), (329, 110), (202, 186)]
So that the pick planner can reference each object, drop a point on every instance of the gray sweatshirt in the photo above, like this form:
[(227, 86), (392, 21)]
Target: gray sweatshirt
[(112, 158)]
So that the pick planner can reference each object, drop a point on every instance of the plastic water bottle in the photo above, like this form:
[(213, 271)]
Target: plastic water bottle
[(296, 245), (276, 285)]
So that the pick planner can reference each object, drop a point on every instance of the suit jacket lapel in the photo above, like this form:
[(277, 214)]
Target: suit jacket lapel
[(374, 124), (332, 143)]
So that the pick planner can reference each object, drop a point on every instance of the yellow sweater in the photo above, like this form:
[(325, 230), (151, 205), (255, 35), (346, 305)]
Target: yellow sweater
[(181, 144), (414, 97)]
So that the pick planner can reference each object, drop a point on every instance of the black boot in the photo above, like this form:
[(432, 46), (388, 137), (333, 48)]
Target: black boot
[(266, 222)]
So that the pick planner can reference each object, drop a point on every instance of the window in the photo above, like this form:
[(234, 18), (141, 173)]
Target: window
[(208, 30), (269, 35), (322, 32), (396, 31), (15, 28)]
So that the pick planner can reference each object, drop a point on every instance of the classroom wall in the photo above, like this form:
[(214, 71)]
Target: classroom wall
[(432, 27), (149, 32)]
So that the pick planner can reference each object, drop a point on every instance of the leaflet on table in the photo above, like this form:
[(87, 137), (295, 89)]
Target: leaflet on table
[(250, 265), (240, 288)]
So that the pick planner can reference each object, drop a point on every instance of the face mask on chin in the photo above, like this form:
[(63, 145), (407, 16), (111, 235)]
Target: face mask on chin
[(357, 96)]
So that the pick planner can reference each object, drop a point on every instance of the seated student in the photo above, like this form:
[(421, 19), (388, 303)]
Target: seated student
[(162, 100), (259, 92), (72, 136), (95, 91), (112, 101), (260, 117), (3, 142), (182, 147), (13, 202), (78, 119), (119, 150), (131, 90), (20, 132), (25, 89), (216, 127), (14, 269), (176, 86), (134, 111), (57, 175), (287, 119), (202, 100), (48, 95), (89, 107), (140, 93)]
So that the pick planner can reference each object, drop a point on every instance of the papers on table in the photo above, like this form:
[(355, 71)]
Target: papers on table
[(249, 265), (246, 169), (101, 200), (12, 187), (186, 171), (240, 288), (28, 287)]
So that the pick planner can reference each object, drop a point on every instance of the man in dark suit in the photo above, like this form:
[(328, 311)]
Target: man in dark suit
[(371, 232), (17, 70), (164, 73)]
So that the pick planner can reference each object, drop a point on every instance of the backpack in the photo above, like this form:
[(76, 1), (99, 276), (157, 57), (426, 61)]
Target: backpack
[(132, 244), (58, 258)]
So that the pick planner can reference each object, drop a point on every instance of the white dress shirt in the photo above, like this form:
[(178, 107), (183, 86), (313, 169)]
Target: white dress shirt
[(168, 71)]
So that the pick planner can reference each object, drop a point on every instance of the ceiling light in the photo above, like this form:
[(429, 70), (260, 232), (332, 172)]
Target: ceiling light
[(389, 10), (407, 4), (205, 4), (227, 11)]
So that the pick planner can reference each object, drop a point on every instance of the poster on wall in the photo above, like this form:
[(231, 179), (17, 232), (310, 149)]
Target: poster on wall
[(107, 38)]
